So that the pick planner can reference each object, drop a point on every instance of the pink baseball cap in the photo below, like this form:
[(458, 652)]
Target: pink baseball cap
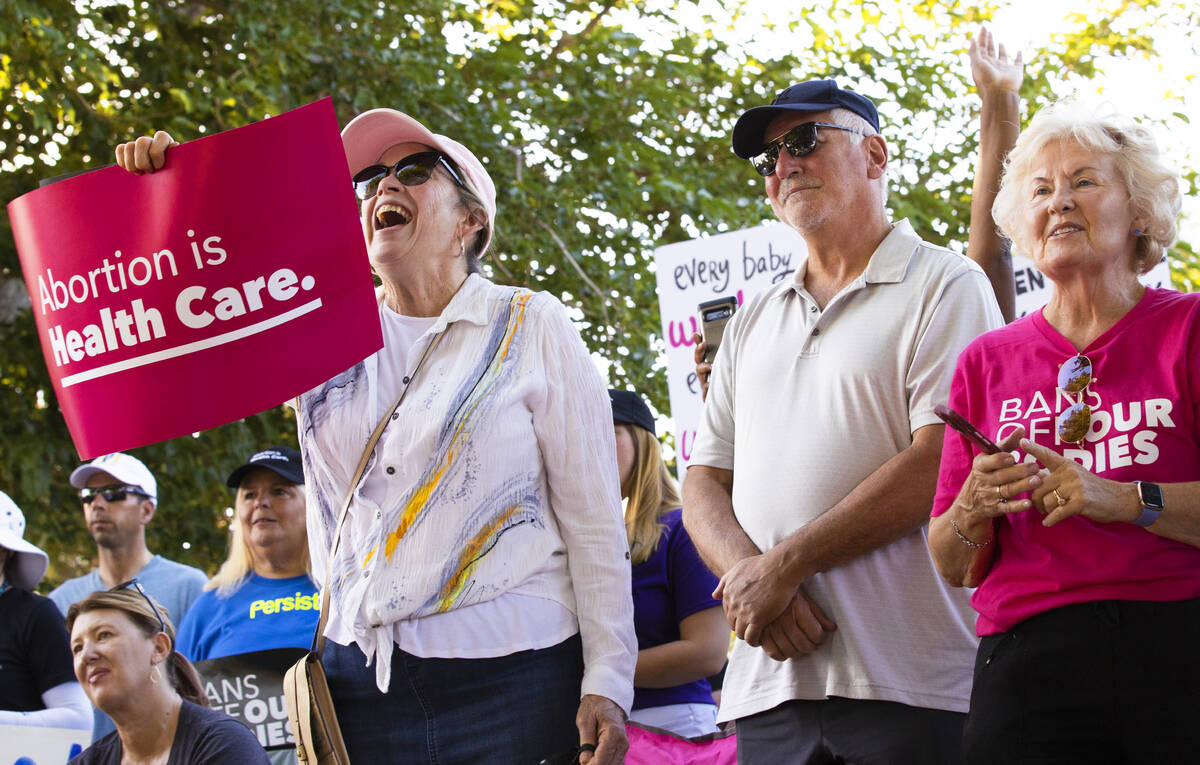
[(373, 132)]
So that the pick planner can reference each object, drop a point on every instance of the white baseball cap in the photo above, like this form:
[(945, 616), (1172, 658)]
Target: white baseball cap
[(126, 468), (28, 563)]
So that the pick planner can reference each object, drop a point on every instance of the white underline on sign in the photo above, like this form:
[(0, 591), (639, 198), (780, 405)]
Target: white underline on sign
[(199, 345)]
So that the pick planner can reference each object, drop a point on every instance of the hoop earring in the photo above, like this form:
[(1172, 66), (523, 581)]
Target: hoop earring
[(462, 247), (155, 675)]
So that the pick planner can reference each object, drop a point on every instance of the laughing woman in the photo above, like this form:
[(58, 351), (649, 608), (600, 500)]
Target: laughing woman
[(480, 597), (1087, 572)]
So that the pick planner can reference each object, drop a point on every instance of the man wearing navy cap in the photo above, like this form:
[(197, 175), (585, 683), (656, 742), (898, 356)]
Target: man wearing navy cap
[(851, 648)]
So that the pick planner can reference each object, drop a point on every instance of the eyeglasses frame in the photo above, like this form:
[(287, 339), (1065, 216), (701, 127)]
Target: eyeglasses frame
[(133, 584)]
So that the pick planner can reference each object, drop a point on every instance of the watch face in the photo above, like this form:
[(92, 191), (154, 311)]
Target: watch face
[(1151, 495)]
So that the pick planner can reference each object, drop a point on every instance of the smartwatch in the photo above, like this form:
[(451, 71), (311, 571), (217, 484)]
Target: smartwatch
[(1150, 495)]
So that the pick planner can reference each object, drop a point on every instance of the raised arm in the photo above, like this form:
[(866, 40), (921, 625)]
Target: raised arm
[(998, 82)]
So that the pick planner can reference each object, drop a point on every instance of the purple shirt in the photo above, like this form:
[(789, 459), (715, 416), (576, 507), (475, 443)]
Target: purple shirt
[(669, 587)]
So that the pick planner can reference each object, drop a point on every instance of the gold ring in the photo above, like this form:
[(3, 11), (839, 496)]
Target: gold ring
[(999, 494), (1061, 499)]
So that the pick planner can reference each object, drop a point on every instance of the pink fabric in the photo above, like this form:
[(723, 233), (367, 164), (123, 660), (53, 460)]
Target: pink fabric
[(1145, 409), (655, 747)]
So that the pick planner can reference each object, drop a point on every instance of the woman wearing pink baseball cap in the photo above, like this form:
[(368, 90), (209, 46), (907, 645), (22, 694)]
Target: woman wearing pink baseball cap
[(480, 587)]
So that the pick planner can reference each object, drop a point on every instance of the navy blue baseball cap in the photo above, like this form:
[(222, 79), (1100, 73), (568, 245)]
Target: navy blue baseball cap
[(811, 96), (283, 460), (628, 407)]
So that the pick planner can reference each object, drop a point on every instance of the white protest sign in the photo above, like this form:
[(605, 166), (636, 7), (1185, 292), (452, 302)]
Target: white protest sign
[(739, 264), (1033, 288), (27, 745)]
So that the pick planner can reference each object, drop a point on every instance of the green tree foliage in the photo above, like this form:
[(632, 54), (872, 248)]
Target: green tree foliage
[(605, 124)]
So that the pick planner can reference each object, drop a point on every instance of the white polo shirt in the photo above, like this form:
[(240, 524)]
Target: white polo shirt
[(815, 401)]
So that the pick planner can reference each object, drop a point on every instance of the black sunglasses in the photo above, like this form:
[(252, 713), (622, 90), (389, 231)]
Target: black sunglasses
[(114, 493), (800, 141), (133, 584), (413, 170)]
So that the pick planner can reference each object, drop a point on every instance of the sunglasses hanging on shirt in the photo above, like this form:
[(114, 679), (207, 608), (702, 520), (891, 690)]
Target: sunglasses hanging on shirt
[(1074, 377)]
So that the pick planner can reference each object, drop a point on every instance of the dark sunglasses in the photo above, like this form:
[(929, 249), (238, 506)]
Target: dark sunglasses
[(1074, 422), (800, 141), (413, 170), (133, 584), (114, 493), (568, 756)]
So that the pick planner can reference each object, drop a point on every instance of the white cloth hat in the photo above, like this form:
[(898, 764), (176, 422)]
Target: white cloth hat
[(28, 563), (126, 468)]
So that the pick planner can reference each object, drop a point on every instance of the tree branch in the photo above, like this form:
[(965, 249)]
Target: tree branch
[(566, 40), (579, 269)]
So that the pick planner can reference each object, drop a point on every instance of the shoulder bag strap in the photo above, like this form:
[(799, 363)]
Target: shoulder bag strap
[(318, 644)]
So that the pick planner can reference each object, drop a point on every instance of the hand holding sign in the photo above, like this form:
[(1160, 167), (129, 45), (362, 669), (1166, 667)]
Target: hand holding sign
[(145, 155), (169, 286), (1071, 489)]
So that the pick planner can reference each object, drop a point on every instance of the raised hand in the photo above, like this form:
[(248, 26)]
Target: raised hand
[(991, 68)]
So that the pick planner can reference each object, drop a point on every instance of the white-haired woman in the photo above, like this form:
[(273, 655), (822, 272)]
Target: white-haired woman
[(482, 568), (1087, 572), (263, 596)]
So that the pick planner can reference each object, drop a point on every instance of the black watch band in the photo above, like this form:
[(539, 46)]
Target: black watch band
[(1150, 495)]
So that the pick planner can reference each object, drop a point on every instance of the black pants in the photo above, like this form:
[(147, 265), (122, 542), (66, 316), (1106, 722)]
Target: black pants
[(1102, 682), (837, 731)]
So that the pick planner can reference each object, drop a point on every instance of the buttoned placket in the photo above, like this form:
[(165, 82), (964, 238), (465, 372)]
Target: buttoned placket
[(378, 529), (812, 316)]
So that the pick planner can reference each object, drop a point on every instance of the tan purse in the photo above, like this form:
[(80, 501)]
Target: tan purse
[(311, 714), (310, 707)]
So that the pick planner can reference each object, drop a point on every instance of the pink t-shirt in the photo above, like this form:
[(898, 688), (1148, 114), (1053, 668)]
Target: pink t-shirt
[(1145, 400)]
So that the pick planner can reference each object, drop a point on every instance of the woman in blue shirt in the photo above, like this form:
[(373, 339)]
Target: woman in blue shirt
[(262, 597)]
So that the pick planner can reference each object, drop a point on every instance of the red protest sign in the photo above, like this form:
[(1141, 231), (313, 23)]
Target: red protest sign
[(231, 280)]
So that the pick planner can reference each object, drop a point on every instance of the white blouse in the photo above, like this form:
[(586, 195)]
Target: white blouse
[(500, 480)]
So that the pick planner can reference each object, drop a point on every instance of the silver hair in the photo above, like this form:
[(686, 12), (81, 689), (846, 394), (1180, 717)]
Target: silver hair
[(1153, 185)]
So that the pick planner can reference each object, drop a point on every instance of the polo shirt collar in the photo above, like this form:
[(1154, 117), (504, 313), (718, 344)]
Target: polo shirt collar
[(888, 263), (469, 304)]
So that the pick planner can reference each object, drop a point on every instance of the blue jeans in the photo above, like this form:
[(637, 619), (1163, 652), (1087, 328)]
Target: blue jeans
[(513, 709)]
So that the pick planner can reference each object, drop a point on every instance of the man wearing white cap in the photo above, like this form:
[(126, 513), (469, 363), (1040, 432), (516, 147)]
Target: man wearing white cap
[(37, 679), (119, 496)]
